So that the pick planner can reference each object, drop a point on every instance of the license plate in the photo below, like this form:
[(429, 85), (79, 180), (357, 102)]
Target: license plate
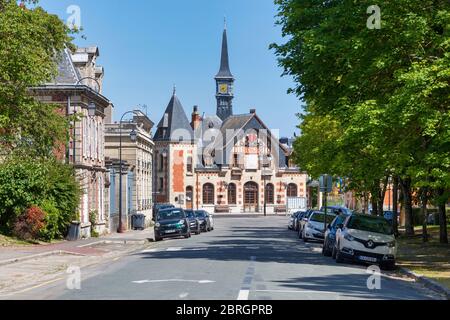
[(171, 231), (368, 259)]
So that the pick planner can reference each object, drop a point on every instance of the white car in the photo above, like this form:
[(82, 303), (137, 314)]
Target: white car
[(211, 220), (366, 239), (314, 229)]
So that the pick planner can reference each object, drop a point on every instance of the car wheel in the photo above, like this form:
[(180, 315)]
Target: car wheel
[(388, 266), (333, 253), (339, 258), (305, 239), (157, 239), (326, 251)]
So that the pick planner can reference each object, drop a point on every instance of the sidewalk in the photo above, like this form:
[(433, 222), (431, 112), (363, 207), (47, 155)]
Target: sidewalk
[(80, 247)]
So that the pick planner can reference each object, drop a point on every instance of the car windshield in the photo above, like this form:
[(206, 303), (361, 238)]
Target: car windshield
[(370, 224), (200, 214), (189, 213), (170, 214), (320, 217)]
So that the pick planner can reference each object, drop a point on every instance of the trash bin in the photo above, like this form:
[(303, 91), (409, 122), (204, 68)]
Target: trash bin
[(138, 221), (74, 231)]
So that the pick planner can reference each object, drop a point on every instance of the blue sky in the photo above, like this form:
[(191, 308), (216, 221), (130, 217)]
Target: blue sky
[(147, 46)]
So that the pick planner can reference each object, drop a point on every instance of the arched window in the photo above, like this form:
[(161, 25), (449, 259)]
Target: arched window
[(232, 198), (208, 193), (292, 190), (270, 194)]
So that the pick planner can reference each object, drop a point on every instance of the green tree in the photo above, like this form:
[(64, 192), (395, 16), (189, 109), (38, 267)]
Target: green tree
[(387, 88), (30, 40)]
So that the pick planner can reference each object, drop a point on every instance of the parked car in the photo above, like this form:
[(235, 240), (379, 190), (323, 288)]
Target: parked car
[(330, 235), (293, 221), (366, 239), (160, 206), (389, 216), (194, 223), (211, 220), (315, 228), (170, 223), (337, 210), (297, 220), (205, 221), (303, 221)]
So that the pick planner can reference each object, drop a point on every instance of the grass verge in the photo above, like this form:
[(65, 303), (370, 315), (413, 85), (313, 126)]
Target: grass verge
[(431, 259)]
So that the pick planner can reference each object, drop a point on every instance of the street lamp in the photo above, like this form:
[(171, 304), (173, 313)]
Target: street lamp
[(133, 137), (266, 164)]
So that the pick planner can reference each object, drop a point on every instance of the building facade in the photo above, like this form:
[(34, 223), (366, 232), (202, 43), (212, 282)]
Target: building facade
[(78, 90), (137, 174), (225, 162)]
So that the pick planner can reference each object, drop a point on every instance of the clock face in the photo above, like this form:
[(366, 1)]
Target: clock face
[(223, 88)]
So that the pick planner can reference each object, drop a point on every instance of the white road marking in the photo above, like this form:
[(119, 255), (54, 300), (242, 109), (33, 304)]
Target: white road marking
[(183, 295), (174, 280), (243, 295), (150, 251), (174, 249)]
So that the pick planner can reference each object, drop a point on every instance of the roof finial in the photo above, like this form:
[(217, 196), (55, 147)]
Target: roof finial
[(225, 23), (174, 89)]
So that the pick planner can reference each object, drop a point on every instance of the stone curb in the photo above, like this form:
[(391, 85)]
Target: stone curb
[(37, 256), (431, 284), (118, 241)]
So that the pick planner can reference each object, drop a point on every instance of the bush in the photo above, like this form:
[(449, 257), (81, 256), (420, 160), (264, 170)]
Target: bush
[(30, 224), (52, 229), (47, 183), (93, 220)]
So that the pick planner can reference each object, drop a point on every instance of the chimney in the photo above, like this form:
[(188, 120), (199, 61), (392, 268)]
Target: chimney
[(196, 119)]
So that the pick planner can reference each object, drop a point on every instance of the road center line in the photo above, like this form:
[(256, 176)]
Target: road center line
[(247, 283), (243, 295)]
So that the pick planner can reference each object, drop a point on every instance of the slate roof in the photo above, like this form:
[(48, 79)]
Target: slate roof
[(67, 73), (235, 122), (224, 71), (174, 119)]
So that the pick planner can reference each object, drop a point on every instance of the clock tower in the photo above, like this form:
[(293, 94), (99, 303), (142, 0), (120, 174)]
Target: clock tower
[(224, 83)]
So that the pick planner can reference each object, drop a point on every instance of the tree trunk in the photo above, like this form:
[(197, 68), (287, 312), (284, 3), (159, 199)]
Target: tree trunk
[(407, 194), (443, 234), (424, 201), (374, 206), (395, 204), (382, 196)]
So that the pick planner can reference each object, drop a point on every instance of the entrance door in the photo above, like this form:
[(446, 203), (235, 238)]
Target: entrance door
[(189, 198), (251, 197)]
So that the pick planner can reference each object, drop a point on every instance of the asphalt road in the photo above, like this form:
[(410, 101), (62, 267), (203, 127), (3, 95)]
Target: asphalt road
[(243, 258)]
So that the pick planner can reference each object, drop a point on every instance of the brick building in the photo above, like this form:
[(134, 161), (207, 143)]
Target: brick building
[(78, 90), (223, 162)]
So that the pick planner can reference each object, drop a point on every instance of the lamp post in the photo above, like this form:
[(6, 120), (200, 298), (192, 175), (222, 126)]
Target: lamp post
[(266, 164), (326, 184), (133, 137)]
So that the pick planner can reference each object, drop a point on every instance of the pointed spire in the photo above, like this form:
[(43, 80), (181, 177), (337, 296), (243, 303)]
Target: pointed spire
[(174, 89), (224, 71)]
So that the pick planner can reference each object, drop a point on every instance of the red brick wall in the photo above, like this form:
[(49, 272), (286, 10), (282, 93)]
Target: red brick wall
[(178, 171)]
